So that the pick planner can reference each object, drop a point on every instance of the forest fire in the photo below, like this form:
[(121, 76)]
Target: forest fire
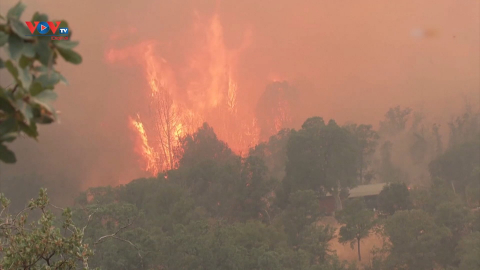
[(145, 150), (180, 100)]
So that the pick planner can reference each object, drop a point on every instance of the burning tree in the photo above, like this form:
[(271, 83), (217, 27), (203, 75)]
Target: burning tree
[(167, 116), (274, 109), (207, 92)]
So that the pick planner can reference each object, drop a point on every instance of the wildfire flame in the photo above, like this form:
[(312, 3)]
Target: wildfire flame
[(208, 93), (145, 150)]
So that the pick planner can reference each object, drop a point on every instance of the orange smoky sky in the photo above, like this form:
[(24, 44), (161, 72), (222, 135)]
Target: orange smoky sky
[(350, 60)]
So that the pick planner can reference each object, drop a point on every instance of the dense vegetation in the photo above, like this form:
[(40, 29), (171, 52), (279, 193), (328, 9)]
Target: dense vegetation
[(218, 210), (221, 211)]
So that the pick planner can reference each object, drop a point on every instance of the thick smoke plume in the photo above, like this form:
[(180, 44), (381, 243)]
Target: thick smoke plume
[(347, 61)]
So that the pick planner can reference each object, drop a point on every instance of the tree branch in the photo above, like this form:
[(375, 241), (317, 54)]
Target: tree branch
[(114, 236), (88, 221), (101, 239), (132, 244)]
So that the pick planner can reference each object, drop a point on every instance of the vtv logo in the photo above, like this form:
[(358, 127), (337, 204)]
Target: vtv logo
[(43, 28)]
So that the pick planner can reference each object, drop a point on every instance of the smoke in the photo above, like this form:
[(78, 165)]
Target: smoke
[(347, 61), (423, 33)]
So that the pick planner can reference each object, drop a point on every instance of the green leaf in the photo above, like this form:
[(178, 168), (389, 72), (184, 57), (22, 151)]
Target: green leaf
[(30, 130), (12, 69), (36, 88), (16, 11), (39, 17), (20, 29), (6, 105), (70, 56), (47, 96), (2, 64), (3, 38), (41, 69), (15, 46), (9, 125), (43, 51), (24, 61), (63, 79), (28, 50), (65, 44), (6, 155), (25, 109), (9, 137), (48, 80), (45, 99), (25, 77)]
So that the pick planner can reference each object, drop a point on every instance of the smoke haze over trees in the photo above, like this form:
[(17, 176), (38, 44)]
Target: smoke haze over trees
[(343, 63), (234, 136)]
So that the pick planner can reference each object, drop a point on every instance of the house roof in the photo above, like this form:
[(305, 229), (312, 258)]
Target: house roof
[(366, 190)]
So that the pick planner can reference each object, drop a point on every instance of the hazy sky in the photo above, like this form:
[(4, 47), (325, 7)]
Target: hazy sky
[(358, 57)]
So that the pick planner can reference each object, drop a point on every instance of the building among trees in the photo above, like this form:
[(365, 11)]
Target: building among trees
[(368, 192)]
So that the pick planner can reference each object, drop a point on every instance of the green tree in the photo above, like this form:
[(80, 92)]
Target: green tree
[(302, 211), (358, 222), (394, 197), (203, 145), (316, 241), (116, 229), (252, 245), (322, 158), (428, 199), (367, 140), (468, 252), (415, 240), (458, 165), (27, 101), (252, 192), (210, 171), (464, 128), (40, 244), (274, 153), (438, 140), (456, 217), (395, 121), (418, 148), (473, 189)]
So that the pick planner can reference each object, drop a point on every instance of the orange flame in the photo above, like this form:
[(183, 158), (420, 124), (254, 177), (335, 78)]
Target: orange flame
[(209, 93), (165, 112), (146, 151)]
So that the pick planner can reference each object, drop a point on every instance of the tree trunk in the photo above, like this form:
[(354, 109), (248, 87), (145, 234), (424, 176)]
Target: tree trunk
[(338, 201), (336, 195), (361, 169), (359, 255)]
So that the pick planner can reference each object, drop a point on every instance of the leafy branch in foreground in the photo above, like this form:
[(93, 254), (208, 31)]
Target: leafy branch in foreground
[(40, 245), (27, 100)]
